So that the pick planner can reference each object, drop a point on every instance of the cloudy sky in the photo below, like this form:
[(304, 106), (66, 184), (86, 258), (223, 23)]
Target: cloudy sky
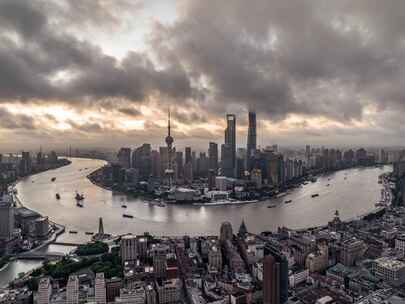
[(102, 73)]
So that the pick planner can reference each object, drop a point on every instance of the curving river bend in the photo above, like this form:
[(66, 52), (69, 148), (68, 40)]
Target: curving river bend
[(353, 196)]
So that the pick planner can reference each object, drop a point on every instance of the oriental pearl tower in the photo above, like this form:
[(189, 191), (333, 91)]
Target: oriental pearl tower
[(169, 172)]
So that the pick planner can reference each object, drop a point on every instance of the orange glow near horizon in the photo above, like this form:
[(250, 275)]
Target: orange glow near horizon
[(63, 117)]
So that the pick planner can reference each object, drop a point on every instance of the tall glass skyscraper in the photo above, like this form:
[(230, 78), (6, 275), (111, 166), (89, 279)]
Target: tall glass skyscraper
[(251, 140), (275, 275), (230, 139)]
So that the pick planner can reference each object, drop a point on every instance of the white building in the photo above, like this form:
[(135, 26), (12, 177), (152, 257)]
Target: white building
[(298, 277), (72, 290), (218, 195), (99, 289), (389, 269), (128, 249), (44, 291), (325, 300), (214, 259), (185, 194)]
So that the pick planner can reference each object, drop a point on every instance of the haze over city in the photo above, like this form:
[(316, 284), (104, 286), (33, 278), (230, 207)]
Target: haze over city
[(103, 73)]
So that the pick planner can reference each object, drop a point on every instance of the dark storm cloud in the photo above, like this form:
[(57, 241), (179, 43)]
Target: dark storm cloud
[(33, 52), (12, 121), (312, 57), (130, 112)]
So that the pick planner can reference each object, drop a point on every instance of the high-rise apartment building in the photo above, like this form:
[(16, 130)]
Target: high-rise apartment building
[(179, 165), (214, 259), (44, 291), (227, 165), (99, 289), (25, 164), (6, 217), (202, 165), (275, 276), (188, 172), (213, 156), (72, 290), (150, 293), (155, 163), (251, 140), (142, 160), (271, 282), (113, 287), (230, 137), (226, 232), (129, 252), (160, 264), (124, 157), (188, 157), (142, 247)]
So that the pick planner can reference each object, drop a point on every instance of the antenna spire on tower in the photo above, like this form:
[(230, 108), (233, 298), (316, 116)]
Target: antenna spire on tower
[(168, 124)]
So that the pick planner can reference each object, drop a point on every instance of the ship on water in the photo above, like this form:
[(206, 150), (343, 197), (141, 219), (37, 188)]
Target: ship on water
[(79, 197)]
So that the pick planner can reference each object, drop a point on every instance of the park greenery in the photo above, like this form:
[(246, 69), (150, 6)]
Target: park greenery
[(92, 249), (109, 263), (67, 266)]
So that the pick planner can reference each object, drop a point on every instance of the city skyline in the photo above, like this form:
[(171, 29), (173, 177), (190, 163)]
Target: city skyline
[(202, 152), (104, 77)]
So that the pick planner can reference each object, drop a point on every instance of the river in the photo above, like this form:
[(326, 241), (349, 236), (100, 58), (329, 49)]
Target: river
[(353, 192)]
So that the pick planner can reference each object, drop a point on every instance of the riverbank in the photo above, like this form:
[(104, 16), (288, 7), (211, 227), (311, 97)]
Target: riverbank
[(57, 231), (91, 178), (247, 196)]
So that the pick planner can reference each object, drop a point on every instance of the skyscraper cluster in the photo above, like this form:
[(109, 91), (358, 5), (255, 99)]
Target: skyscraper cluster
[(172, 167), (227, 164)]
